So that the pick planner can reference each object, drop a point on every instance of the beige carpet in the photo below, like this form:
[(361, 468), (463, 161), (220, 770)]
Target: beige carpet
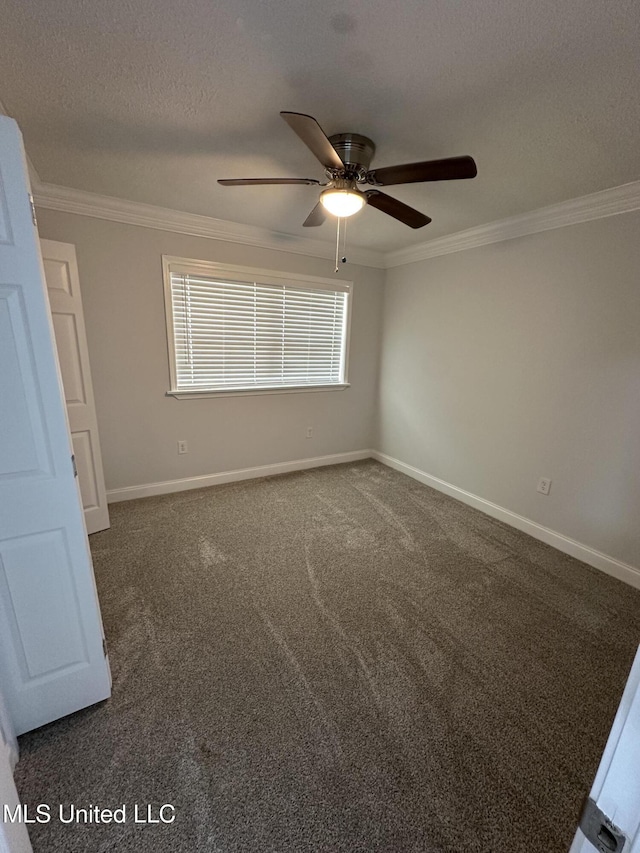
[(337, 660)]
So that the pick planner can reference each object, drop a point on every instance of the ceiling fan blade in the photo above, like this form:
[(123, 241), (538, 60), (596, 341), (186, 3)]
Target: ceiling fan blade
[(259, 182), (398, 209), (449, 169), (314, 138), (316, 217)]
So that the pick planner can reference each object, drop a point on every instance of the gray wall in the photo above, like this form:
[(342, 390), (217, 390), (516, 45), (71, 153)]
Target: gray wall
[(518, 360), (498, 365), (122, 291)]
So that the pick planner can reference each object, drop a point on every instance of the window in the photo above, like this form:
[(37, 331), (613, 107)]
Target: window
[(233, 329)]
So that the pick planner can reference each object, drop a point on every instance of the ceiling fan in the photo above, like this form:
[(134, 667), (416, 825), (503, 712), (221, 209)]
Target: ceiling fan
[(346, 158)]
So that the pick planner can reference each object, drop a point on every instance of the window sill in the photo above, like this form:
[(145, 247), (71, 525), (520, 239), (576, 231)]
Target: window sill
[(254, 392)]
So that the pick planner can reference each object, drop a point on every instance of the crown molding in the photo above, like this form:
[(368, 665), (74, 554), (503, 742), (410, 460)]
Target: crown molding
[(82, 203), (622, 199), (610, 202)]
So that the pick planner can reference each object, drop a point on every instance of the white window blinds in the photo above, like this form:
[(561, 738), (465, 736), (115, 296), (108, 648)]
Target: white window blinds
[(241, 335)]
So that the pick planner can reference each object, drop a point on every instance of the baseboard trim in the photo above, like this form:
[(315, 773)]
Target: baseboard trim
[(129, 493), (622, 571), (616, 568)]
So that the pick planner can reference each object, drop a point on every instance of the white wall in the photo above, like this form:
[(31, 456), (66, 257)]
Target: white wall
[(122, 291), (518, 360)]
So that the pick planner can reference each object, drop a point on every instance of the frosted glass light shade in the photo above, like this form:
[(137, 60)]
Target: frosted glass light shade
[(342, 202)]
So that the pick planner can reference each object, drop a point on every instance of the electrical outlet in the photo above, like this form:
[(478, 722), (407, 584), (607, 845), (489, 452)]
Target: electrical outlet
[(309, 432), (183, 447), (544, 485)]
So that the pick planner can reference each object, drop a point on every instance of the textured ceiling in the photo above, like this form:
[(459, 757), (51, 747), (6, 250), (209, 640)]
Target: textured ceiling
[(152, 100)]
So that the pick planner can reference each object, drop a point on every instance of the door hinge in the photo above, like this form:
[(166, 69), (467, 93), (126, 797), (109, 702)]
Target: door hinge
[(600, 830), (75, 467), (33, 210), (104, 647)]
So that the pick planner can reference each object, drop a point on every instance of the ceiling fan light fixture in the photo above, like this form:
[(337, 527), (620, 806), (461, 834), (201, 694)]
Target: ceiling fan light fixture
[(346, 158), (342, 201)]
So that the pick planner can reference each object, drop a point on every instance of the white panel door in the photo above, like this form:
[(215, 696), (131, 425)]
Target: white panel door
[(63, 286), (616, 789), (52, 660)]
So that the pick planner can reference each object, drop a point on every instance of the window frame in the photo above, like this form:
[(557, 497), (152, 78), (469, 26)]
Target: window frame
[(172, 264)]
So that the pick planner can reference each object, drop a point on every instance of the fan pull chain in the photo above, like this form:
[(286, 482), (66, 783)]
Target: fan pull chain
[(344, 243)]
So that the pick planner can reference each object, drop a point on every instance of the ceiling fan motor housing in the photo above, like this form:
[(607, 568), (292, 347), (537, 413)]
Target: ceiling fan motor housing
[(355, 151)]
